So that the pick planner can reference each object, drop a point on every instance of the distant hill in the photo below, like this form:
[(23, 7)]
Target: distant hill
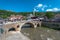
[(5, 13)]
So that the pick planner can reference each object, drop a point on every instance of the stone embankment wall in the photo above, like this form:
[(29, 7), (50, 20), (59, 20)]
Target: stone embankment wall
[(49, 24)]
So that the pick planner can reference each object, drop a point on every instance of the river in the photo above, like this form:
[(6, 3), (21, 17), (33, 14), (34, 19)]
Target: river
[(39, 33)]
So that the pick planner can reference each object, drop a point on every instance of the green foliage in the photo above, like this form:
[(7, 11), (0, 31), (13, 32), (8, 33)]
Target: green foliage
[(5, 14), (49, 14), (37, 14)]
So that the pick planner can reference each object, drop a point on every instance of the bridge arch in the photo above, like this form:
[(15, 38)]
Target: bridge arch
[(12, 29), (31, 25)]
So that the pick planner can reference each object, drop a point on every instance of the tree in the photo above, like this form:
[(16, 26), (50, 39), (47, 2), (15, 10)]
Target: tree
[(49, 14)]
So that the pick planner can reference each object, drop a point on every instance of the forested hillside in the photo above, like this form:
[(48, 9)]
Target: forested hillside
[(5, 13)]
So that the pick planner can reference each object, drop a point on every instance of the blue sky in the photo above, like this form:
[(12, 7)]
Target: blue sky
[(30, 5)]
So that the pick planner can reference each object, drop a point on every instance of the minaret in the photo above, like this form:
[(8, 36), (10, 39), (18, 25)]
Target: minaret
[(34, 11)]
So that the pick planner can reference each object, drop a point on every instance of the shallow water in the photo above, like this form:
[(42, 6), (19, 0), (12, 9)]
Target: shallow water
[(41, 33)]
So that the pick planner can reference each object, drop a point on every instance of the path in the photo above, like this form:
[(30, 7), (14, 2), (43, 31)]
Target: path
[(16, 36)]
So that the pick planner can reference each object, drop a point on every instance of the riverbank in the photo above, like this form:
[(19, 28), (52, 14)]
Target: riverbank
[(15, 36)]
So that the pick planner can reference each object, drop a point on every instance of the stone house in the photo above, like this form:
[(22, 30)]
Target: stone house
[(16, 17), (56, 18)]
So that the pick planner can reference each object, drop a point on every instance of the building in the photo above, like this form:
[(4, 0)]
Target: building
[(56, 18), (16, 17), (1, 20)]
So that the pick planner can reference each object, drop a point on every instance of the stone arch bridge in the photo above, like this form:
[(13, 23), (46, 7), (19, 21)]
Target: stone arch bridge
[(17, 26)]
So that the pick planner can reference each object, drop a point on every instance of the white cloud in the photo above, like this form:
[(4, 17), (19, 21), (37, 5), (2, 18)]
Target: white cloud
[(42, 9), (49, 10), (39, 5), (54, 9), (35, 10)]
